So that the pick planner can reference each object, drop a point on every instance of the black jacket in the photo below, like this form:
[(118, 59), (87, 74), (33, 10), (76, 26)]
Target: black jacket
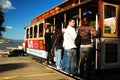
[(48, 41)]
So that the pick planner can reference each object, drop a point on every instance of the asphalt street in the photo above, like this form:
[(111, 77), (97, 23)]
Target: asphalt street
[(25, 68)]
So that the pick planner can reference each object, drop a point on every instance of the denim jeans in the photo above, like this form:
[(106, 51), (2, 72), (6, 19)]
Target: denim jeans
[(86, 59), (64, 61), (72, 60), (58, 54)]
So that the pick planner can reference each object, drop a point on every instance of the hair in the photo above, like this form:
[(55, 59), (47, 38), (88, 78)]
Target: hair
[(47, 28), (71, 19), (58, 33)]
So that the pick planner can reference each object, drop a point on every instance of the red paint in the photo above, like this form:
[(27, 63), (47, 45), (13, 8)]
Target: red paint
[(35, 44)]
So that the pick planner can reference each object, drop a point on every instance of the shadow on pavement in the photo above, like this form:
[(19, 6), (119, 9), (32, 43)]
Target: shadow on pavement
[(11, 66)]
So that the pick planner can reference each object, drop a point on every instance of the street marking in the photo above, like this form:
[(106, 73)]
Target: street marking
[(29, 75)]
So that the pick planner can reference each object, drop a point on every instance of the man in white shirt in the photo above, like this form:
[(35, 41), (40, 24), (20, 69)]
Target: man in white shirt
[(70, 47)]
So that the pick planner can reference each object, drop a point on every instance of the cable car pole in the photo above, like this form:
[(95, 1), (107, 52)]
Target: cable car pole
[(96, 42)]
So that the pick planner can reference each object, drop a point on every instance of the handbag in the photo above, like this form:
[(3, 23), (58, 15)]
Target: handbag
[(78, 40)]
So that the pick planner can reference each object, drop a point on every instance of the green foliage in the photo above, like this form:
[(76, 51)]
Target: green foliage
[(92, 24), (1, 22)]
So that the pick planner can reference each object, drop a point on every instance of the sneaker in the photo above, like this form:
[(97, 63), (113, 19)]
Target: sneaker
[(71, 75), (58, 68)]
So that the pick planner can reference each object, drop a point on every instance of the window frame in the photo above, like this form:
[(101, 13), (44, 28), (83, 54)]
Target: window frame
[(110, 34), (27, 33), (35, 29), (40, 29)]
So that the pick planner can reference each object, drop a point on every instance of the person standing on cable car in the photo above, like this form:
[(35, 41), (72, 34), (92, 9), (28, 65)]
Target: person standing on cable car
[(57, 45), (86, 47), (48, 36), (70, 47)]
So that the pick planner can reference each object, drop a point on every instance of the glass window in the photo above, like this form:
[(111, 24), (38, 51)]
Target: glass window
[(31, 32), (27, 33), (35, 31), (41, 30), (110, 19)]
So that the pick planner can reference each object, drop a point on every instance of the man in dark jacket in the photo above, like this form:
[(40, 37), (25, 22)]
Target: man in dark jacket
[(86, 47), (48, 35)]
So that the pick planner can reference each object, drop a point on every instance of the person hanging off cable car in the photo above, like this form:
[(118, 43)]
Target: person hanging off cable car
[(86, 47)]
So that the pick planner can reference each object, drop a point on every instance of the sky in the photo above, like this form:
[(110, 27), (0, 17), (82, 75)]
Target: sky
[(19, 13)]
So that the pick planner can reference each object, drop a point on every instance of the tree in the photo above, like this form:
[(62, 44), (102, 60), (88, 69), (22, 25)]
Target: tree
[(2, 29)]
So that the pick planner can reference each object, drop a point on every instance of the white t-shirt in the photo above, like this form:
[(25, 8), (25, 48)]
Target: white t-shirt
[(69, 38)]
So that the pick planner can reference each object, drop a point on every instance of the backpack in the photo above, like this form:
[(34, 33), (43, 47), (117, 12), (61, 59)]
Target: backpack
[(78, 40)]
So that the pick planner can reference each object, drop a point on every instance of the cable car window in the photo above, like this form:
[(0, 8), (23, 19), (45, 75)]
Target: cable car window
[(41, 30), (27, 33), (31, 32), (110, 19), (35, 31)]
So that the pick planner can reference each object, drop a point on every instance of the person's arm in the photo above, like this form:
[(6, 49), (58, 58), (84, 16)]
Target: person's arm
[(73, 34), (53, 38), (93, 31), (45, 39)]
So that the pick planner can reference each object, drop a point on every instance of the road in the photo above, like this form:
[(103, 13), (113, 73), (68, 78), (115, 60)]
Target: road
[(25, 68)]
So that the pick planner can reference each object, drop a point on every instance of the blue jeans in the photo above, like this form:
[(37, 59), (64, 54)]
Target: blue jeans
[(64, 61), (72, 61), (58, 54)]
